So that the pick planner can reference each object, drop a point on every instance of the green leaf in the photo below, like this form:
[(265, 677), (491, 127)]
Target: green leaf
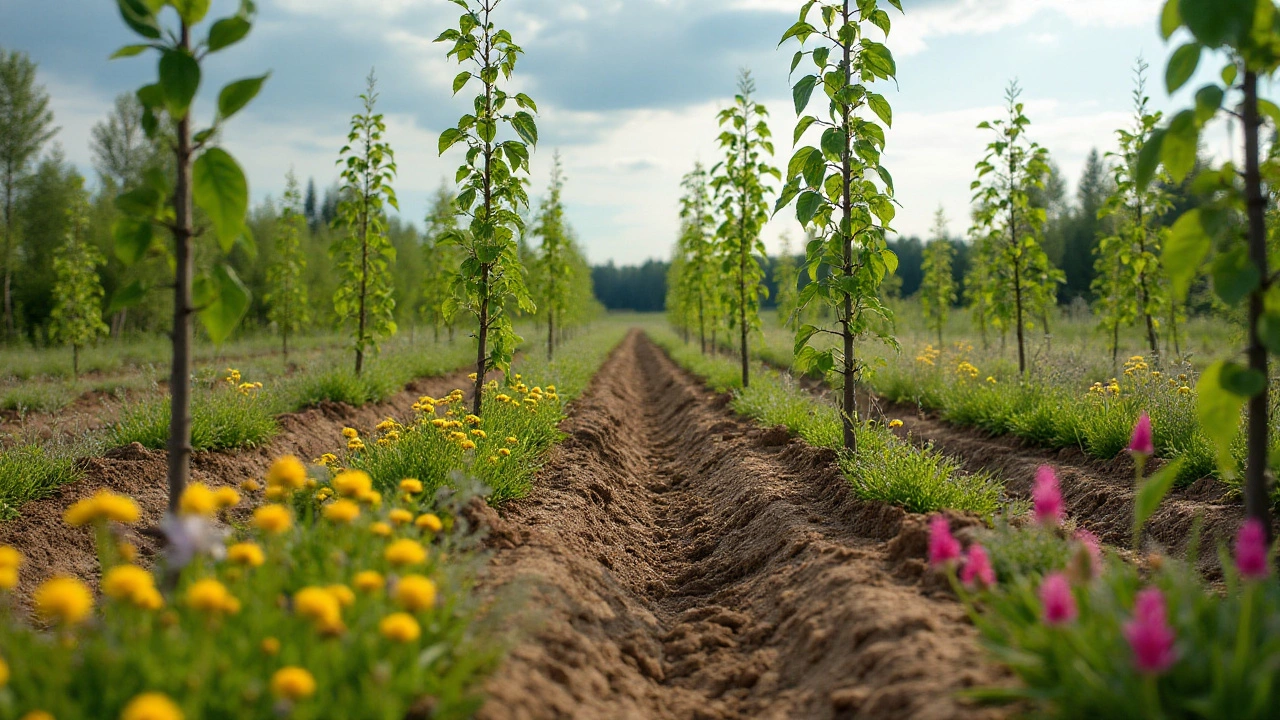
[(798, 161), (461, 81), (142, 203), (1150, 494), (1185, 249), (227, 32), (228, 301), (881, 108), (129, 51), (525, 127), (814, 168), (1170, 19), (1208, 101), (1240, 380), (802, 126), (833, 142), (1234, 275), (1215, 22), (802, 91), (1178, 150), (1270, 110), (133, 239), (449, 138), (1218, 411), (1182, 65), (191, 11), (220, 189), (238, 94), (140, 18), (807, 206), (1149, 157), (179, 79), (126, 296)]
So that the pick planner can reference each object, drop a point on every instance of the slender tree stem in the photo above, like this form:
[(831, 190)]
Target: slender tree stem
[(1256, 495), (183, 310)]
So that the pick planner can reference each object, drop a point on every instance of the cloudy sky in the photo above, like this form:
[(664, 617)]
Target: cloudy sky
[(628, 91)]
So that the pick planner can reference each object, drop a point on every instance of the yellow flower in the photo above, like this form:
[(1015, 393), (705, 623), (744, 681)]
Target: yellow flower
[(10, 558), (287, 472), (991, 380), (8, 578), (341, 511), (472, 377), (104, 505), (373, 497), (355, 444), (128, 551), (38, 715), (504, 452), (276, 493), (512, 440), (63, 599), (895, 423), (318, 605), (467, 445), (400, 627), (293, 683), (1184, 390), (479, 433), (250, 485), (400, 516), (367, 581), (128, 582), (272, 518), (270, 646), (405, 552), (151, 706), (385, 425), (342, 594), (211, 596), (351, 483), (551, 388), (380, 529), (246, 553), (412, 486), (472, 420), (350, 433), (226, 497), (430, 521), (197, 499), (503, 397), (439, 422), (415, 593), (493, 459)]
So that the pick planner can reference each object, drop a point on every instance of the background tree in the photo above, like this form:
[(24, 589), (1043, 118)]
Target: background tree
[(553, 266), (493, 191), (26, 124), (440, 261), (76, 318), (740, 187), (938, 290), (834, 184), (1021, 279), (364, 251), (698, 245), (203, 175), (121, 150), (1130, 284), (786, 277), (286, 295)]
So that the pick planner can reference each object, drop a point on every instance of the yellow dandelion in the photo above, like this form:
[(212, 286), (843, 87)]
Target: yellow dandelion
[(270, 646), (400, 627), (104, 505), (341, 511), (272, 518), (246, 553), (405, 552), (895, 423), (197, 499), (467, 445), (415, 593), (287, 472), (343, 594), (151, 706), (380, 529), (212, 597), (504, 452), (368, 581), (64, 600), (352, 483), (430, 521), (250, 485), (412, 486), (350, 433), (318, 605), (293, 683)]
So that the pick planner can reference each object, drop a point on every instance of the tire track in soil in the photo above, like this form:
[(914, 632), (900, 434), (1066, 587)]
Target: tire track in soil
[(683, 563), (50, 547)]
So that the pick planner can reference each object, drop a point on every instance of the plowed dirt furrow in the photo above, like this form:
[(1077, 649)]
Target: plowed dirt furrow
[(683, 563)]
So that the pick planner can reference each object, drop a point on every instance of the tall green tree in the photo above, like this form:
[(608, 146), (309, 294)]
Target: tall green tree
[(363, 250), (76, 319), (1130, 284), (555, 272), (787, 278), (26, 124), (1244, 35), (698, 245), (739, 182), (1021, 281), (490, 276), (841, 190), (203, 175), (938, 289), (440, 261), (286, 294), (121, 150)]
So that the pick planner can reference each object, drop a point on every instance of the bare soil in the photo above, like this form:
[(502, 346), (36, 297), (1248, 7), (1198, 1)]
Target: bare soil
[(684, 563)]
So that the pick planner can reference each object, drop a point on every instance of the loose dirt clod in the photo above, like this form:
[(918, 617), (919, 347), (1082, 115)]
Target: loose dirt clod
[(685, 564)]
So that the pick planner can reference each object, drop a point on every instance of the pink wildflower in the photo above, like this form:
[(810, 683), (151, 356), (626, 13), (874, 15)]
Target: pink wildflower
[(1059, 603), (1140, 443), (943, 547), (1149, 634), (977, 568), (1251, 550), (1046, 497)]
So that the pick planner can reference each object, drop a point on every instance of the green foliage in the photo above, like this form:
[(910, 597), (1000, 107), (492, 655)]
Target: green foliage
[(364, 252), (841, 191), (440, 262), (222, 418), (287, 293), (492, 179), (696, 297), (1015, 276), (1130, 283), (76, 319), (938, 289), (739, 185), (33, 471), (786, 277), (554, 269)]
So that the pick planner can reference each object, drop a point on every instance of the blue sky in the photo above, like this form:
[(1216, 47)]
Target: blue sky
[(628, 91)]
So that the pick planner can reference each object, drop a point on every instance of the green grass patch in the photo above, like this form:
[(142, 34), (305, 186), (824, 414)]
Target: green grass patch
[(221, 418), (30, 472)]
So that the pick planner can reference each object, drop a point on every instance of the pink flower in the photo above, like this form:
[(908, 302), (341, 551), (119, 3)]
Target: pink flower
[(1251, 550), (1149, 634), (943, 547), (1141, 443), (977, 567), (1047, 498), (1059, 603), (1093, 545)]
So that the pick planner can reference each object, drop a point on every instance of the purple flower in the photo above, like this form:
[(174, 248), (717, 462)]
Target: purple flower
[(1059, 603), (1140, 443), (1251, 550), (977, 568), (943, 547), (1047, 498), (1149, 634)]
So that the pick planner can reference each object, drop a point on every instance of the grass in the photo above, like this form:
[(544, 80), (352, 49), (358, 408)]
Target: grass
[(31, 471), (884, 468), (221, 419)]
